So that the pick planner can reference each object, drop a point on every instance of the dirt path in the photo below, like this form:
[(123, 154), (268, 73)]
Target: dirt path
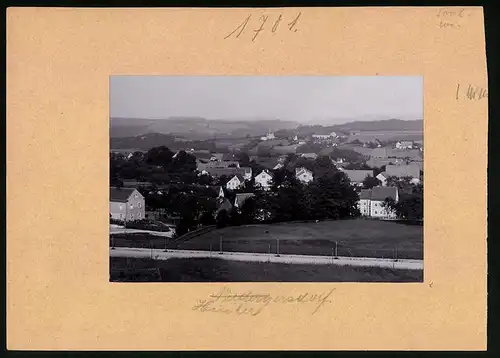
[(159, 254)]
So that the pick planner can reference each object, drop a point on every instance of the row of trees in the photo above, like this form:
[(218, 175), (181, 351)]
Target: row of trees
[(158, 165)]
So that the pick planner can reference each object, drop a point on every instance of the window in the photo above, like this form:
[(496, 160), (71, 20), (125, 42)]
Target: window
[(121, 207), (131, 206), (139, 205)]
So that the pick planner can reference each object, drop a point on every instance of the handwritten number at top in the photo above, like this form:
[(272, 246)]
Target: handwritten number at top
[(292, 26), (242, 26)]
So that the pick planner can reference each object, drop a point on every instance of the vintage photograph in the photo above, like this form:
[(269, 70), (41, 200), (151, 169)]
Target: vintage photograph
[(266, 179)]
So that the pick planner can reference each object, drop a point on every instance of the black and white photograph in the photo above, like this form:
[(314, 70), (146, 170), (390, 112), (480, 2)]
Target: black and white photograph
[(266, 179)]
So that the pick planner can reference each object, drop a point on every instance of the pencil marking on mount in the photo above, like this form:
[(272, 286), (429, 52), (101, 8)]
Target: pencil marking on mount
[(472, 93), (228, 302), (450, 19), (239, 30)]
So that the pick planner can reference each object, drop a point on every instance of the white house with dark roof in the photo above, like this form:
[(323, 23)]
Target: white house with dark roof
[(264, 179), (304, 175), (235, 182), (126, 204), (371, 202)]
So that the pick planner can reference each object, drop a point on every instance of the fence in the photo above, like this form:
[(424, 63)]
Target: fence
[(194, 233)]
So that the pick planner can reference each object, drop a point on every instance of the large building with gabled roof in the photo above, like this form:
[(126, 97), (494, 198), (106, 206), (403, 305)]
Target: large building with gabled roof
[(126, 204)]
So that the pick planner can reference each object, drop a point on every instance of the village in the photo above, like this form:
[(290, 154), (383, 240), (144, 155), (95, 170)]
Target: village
[(377, 171)]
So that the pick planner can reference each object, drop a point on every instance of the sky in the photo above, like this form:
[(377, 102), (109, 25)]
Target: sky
[(303, 99)]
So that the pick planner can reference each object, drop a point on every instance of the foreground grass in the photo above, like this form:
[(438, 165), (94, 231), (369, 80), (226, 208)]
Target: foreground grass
[(359, 238), (218, 270)]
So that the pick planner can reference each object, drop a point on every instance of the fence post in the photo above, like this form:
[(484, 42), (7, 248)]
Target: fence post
[(210, 251), (277, 246), (166, 244), (336, 250), (151, 247), (112, 242), (220, 248)]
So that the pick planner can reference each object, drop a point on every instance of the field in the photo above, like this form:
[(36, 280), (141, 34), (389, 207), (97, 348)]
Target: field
[(387, 135), (216, 270), (359, 238)]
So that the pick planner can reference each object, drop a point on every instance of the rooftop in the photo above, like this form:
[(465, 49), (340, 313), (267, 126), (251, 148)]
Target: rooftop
[(409, 170), (379, 193), (358, 176), (120, 194)]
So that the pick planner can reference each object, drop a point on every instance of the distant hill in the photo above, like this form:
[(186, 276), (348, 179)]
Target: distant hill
[(196, 128), (383, 125), (144, 142), (380, 125)]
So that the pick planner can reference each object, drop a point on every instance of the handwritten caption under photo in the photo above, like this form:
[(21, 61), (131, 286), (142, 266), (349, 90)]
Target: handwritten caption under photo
[(252, 304)]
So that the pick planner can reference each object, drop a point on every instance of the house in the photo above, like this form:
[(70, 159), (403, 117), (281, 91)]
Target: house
[(268, 163), (278, 166), (216, 157), (401, 171), (264, 179), (304, 175), (268, 136), (383, 178), (371, 202), (220, 190), (321, 136), (235, 182), (245, 172), (357, 176), (223, 164), (404, 145), (241, 198), (126, 204), (309, 155)]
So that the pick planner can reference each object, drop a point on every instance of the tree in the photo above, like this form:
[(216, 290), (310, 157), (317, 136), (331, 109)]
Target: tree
[(244, 159), (403, 184), (207, 218), (370, 182), (377, 171), (222, 218), (332, 197), (222, 180), (184, 162), (323, 165), (205, 179), (159, 156), (235, 217), (249, 211)]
